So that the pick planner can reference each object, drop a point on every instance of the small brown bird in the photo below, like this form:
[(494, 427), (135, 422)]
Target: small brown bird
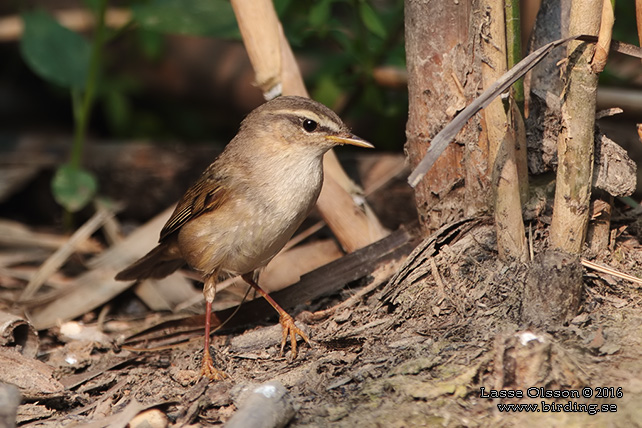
[(248, 203)]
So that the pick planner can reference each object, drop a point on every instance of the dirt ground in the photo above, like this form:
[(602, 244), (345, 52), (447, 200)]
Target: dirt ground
[(414, 351), (429, 337)]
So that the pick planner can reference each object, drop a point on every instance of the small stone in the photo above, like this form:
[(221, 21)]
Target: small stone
[(152, 418)]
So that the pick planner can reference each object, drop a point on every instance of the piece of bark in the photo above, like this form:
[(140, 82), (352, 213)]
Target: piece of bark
[(18, 333), (109, 363), (615, 172), (28, 412), (33, 378)]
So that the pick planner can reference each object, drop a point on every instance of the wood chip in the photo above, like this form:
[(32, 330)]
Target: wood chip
[(18, 333), (32, 377), (61, 255)]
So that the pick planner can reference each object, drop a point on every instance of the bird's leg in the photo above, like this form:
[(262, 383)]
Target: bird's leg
[(286, 321), (208, 369)]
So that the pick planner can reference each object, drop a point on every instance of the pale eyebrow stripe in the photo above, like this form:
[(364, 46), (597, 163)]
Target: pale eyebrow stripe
[(322, 121)]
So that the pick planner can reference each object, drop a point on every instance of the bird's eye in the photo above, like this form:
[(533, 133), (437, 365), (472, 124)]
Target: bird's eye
[(309, 125)]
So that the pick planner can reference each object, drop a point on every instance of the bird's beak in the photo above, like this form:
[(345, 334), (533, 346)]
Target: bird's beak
[(351, 139)]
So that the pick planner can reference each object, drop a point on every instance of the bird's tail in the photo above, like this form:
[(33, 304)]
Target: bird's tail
[(158, 263)]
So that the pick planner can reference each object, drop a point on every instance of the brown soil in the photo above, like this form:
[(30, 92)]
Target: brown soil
[(414, 352)]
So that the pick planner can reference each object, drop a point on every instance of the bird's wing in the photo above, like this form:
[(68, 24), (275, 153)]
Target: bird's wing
[(205, 195)]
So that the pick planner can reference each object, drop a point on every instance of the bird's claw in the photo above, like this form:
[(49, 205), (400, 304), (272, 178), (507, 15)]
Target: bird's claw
[(209, 370), (290, 329)]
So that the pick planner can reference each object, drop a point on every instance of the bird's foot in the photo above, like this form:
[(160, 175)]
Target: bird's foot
[(291, 330), (209, 370)]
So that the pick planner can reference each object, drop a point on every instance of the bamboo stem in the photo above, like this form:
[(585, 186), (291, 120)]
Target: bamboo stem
[(514, 46), (576, 140), (604, 37), (504, 177), (638, 19), (516, 100)]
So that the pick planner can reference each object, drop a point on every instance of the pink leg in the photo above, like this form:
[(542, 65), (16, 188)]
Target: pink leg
[(208, 368)]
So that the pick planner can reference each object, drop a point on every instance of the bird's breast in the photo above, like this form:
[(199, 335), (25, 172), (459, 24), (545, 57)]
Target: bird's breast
[(255, 223)]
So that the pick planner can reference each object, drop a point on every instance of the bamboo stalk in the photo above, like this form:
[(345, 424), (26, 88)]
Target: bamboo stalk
[(576, 140), (604, 37), (516, 100), (638, 17), (259, 27), (504, 177), (514, 45), (598, 233)]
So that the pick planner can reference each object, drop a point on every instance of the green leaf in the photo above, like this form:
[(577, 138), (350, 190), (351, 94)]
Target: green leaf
[(212, 18), (320, 13), (281, 6), (371, 19), (54, 52), (73, 187)]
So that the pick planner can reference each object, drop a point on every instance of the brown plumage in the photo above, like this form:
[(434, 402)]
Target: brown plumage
[(247, 204)]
